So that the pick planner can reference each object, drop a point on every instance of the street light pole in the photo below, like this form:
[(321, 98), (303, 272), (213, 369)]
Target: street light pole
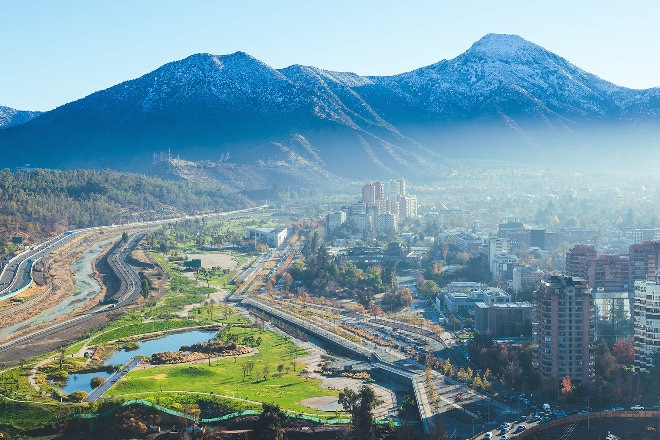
[(588, 415)]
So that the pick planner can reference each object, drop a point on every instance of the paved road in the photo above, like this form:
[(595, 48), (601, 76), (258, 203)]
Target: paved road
[(116, 376), (16, 275)]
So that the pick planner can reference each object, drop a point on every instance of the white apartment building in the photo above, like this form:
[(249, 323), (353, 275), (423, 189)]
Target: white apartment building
[(646, 311)]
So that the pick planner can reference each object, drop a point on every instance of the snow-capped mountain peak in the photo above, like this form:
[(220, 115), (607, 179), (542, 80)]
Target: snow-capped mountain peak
[(503, 46)]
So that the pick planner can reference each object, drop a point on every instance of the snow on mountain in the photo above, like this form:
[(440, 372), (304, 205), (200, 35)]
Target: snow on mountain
[(507, 74), (10, 117), (209, 106)]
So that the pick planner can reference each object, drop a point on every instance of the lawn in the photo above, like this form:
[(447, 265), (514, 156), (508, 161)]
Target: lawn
[(225, 377)]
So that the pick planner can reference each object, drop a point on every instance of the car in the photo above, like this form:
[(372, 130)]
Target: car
[(637, 408), (617, 408), (534, 418), (503, 437), (505, 425), (558, 413), (521, 428), (488, 436)]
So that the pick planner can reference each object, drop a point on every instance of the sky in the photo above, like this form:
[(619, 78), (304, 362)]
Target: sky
[(55, 52)]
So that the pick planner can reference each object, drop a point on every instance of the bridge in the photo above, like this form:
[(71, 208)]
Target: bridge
[(383, 360)]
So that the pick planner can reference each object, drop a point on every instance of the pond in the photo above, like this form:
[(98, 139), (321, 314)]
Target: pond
[(81, 381), (170, 342)]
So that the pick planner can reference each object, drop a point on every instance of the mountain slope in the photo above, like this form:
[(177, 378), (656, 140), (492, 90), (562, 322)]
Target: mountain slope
[(10, 117), (504, 98)]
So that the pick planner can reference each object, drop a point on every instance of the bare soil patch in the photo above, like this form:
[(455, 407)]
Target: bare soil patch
[(222, 260)]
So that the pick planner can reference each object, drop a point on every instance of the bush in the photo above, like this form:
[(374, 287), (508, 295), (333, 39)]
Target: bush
[(96, 381), (77, 396)]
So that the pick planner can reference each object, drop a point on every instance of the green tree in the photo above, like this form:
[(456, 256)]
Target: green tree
[(269, 426), (360, 404), (144, 288)]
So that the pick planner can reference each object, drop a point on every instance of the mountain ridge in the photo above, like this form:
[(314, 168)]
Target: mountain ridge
[(497, 100)]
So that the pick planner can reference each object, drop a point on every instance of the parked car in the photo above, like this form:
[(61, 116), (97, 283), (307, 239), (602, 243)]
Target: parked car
[(637, 408), (488, 436), (521, 428), (617, 408)]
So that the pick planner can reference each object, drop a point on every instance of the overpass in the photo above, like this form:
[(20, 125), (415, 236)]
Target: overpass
[(385, 361)]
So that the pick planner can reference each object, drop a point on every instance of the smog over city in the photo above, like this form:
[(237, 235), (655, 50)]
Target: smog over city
[(287, 220)]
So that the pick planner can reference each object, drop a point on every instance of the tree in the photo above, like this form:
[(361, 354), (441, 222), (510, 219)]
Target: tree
[(375, 310), (144, 288), (624, 351), (269, 426), (428, 288), (360, 404), (566, 387), (78, 396)]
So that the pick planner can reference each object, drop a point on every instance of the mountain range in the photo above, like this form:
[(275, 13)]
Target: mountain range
[(233, 119)]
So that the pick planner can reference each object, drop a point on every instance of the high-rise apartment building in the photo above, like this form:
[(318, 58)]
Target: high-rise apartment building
[(408, 206), (644, 261), (609, 273), (577, 260), (564, 329), (334, 220), (646, 310), (396, 188), (373, 192)]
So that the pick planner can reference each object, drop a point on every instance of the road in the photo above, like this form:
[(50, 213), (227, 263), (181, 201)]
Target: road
[(390, 361), (116, 376), (16, 275)]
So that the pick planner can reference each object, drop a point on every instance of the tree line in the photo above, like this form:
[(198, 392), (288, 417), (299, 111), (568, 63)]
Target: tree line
[(40, 202)]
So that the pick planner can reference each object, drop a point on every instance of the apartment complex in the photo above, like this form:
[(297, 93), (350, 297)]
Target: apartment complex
[(647, 323), (564, 329), (611, 273), (379, 209)]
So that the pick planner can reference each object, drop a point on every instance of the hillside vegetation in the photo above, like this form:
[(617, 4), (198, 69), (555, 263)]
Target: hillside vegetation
[(40, 202)]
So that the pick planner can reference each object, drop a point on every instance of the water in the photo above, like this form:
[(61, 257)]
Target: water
[(170, 342), (86, 289), (81, 382)]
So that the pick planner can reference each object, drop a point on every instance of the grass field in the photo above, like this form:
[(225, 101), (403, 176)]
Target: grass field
[(225, 377)]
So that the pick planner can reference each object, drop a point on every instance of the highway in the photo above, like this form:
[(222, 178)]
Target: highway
[(128, 291), (16, 275)]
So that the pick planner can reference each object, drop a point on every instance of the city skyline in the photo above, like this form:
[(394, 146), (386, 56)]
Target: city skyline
[(58, 53)]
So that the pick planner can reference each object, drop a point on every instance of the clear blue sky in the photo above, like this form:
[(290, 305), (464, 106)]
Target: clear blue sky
[(57, 51)]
